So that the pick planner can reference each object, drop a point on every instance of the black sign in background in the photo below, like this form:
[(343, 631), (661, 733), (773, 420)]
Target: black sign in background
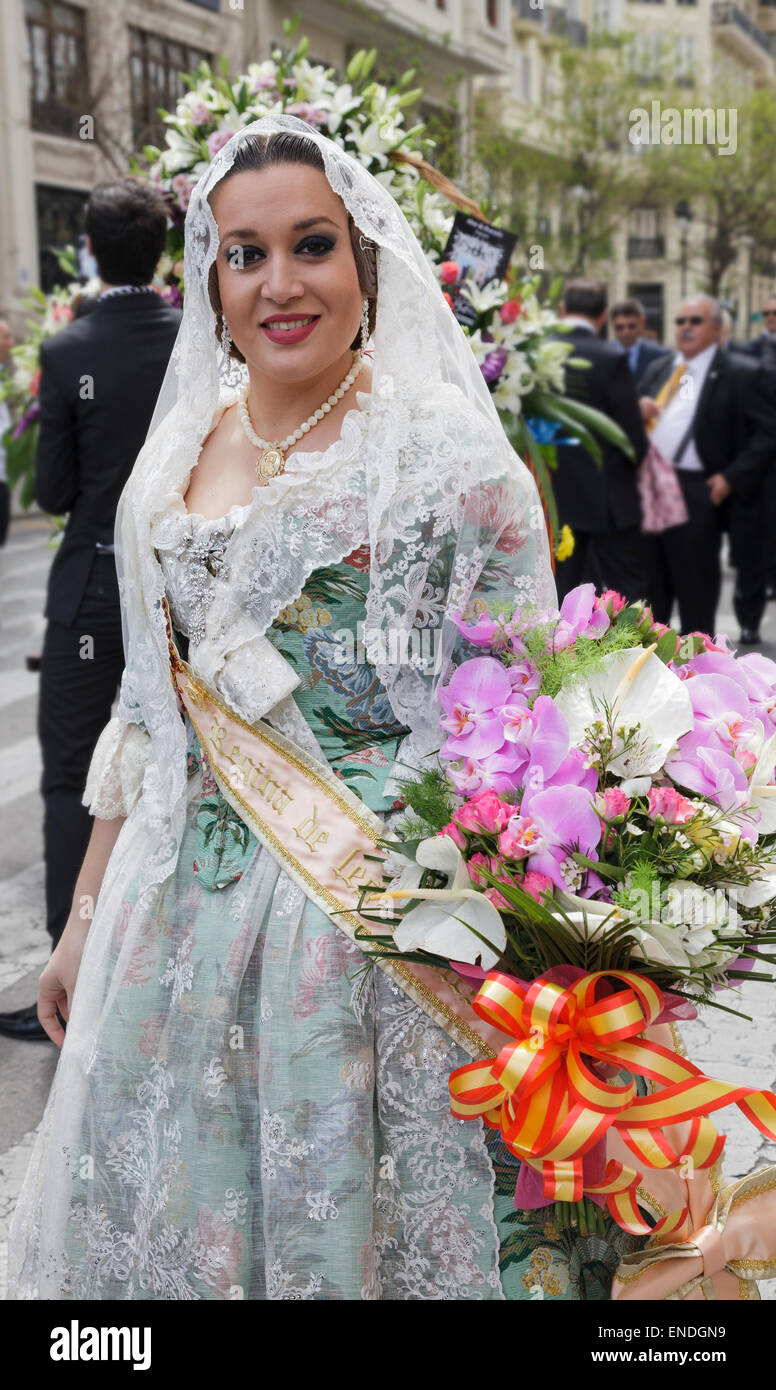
[(482, 248)]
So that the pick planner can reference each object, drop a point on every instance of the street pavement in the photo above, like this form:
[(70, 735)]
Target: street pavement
[(733, 1049)]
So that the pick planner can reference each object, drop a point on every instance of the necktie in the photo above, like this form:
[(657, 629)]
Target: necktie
[(667, 392)]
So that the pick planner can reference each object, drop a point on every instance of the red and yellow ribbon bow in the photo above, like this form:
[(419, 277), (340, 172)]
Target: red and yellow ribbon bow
[(552, 1108)]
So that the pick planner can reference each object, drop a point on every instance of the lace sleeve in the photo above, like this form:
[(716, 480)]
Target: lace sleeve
[(115, 778)]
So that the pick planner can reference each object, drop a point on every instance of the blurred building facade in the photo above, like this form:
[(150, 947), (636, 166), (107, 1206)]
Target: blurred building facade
[(82, 81), (657, 252), (118, 61)]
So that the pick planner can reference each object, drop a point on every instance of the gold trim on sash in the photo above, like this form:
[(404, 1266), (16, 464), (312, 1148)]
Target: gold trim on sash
[(263, 774)]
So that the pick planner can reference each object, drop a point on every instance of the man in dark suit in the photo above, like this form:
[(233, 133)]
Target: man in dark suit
[(100, 379), (763, 347), (713, 415), (763, 350), (600, 504), (629, 321)]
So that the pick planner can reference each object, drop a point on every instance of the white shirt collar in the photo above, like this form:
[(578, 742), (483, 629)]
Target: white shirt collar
[(700, 363), (579, 322)]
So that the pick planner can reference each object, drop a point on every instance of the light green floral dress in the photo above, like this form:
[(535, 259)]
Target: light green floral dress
[(263, 1116)]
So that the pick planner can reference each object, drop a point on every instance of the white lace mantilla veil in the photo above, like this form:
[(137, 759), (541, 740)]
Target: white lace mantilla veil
[(432, 438), (439, 472)]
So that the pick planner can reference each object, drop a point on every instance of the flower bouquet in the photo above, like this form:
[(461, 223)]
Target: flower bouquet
[(594, 856)]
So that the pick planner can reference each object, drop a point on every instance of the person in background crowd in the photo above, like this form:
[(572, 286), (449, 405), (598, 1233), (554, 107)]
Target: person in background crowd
[(763, 349), (628, 321), (713, 415), (100, 378), (725, 330), (6, 343), (600, 503)]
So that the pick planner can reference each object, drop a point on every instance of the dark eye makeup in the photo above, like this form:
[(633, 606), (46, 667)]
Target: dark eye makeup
[(242, 257)]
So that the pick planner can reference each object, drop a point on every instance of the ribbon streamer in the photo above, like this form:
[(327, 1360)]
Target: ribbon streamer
[(552, 1108), (737, 1240)]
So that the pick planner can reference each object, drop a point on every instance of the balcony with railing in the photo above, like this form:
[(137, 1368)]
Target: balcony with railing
[(735, 27), (523, 10), (573, 30), (646, 248)]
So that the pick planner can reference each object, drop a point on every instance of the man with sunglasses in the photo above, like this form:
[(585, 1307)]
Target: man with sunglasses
[(713, 415)]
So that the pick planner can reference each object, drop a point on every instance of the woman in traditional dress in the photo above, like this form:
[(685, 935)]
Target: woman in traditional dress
[(240, 1109)]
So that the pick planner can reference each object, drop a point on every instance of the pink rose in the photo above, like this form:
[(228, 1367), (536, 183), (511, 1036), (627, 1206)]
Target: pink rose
[(498, 901), (449, 271), (669, 805), (509, 311), (456, 834), (610, 601), (612, 804), (660, 629), (536, 885), (473, 866), (486, 811)]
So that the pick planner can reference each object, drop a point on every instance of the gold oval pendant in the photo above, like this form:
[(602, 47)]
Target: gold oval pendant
[(269, 464)]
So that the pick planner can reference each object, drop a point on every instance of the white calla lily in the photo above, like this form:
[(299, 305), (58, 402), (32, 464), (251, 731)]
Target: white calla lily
[(447, 918), (657, 943), (641, 693)]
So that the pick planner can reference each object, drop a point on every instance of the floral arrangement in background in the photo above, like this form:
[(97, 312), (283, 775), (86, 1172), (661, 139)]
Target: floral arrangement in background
[(602, 813), (47, 314)]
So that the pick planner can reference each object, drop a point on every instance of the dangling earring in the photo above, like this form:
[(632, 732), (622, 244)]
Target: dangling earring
[(364, 326), (226, 340)]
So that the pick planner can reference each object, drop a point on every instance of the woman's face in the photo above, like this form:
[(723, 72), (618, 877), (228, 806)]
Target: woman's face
[(284, 256)]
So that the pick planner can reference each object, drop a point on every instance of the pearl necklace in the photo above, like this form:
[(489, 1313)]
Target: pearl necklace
[(271, 461)]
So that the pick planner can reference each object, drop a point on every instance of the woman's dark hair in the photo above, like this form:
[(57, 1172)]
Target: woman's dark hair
[(126, 220), (260, 151)]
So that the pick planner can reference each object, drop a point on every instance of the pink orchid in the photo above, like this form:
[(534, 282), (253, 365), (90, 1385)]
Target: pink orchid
[(525, 678), (520, 838), (709, 771), (579, 617), (563, 818), (469, 700)]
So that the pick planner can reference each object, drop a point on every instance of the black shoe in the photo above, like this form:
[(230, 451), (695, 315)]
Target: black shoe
[(749, 638), (25, 1024)]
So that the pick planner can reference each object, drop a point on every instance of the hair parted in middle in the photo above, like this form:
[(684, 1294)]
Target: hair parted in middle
[(285, 147)]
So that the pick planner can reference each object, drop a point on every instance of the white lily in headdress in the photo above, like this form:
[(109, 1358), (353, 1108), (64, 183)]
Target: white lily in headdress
[(642, 694), (448, 917)]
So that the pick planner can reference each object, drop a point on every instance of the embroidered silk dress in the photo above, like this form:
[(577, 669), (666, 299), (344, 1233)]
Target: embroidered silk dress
[(273, 1119)]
